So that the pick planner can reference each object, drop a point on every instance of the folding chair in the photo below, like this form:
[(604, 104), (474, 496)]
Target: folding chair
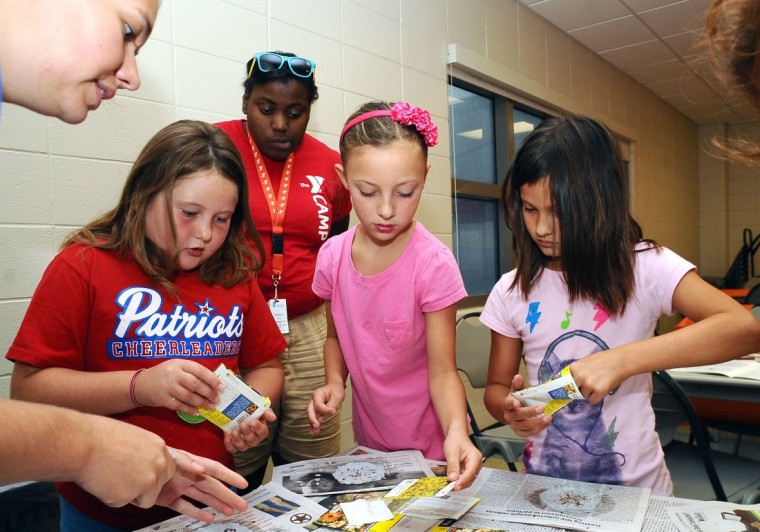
[(697, 469), (473, 348), (742, 269)]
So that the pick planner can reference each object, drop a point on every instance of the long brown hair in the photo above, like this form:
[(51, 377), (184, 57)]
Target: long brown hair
[(581, 160), (179, 149)]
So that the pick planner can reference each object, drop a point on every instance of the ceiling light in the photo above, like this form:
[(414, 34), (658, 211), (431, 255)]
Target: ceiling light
[(524, 127), (474, 134)]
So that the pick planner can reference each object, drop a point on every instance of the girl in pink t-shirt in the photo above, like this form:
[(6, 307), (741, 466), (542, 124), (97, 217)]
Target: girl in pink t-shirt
[(587, 292), (391, 290)]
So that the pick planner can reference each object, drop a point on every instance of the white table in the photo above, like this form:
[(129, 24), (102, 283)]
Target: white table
[(717, 386)]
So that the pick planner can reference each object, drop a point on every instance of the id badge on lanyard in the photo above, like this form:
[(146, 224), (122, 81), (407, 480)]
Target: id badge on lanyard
[(279, 307), (280, 312), (277, 203)]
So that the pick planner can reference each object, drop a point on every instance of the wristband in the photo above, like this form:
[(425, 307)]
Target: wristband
[(132, 388)]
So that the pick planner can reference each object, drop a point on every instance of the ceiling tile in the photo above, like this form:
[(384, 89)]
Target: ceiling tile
[(652, 73), (637, 6), (685, 44), (613, 34), (630, 58), (683, 86), (570, 15), (652, 41), (688, 15)]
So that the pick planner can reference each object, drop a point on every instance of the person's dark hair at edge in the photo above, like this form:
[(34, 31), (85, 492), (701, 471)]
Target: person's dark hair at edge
[(589, 190), (282, 75)]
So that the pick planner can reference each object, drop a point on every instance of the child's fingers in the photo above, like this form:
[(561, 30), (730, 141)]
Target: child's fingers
[(518, 382), (182, 385), (315, 420), (452, 469), (470, 467), (322, 404), (201, 382), (245, 436)]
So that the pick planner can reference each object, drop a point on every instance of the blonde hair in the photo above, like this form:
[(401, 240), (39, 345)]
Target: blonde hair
[(378, 131)]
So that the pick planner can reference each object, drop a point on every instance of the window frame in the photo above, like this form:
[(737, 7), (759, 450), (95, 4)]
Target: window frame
[(503, 115)]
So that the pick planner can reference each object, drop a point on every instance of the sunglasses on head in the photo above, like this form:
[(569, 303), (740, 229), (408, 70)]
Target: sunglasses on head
[(268, 61)]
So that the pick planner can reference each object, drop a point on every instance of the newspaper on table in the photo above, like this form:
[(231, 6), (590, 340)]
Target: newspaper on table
[(413, 505), (508, 498), (657, 518), (553, 394), (743, 368), (348, 474), (270, 508), (237, 402), (716, 516), (438, 467)]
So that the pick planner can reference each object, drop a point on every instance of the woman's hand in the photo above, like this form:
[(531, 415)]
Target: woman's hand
[(463, 460), (324, 402), (249, 433), (203, 480), (177, 384)]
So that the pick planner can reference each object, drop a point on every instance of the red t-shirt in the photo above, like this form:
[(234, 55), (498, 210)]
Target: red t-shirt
[(316, 198), (94, 311)]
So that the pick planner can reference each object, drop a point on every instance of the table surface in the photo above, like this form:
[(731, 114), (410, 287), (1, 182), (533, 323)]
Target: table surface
[(718, 386)]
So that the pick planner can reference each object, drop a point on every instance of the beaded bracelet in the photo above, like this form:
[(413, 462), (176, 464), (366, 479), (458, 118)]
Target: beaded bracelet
[(132, 388)]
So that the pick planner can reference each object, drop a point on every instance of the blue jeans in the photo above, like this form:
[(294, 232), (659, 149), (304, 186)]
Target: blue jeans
[(72, 520)]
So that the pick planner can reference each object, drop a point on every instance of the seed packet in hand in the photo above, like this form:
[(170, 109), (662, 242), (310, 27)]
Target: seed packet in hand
[(237, 402), (553, 394)]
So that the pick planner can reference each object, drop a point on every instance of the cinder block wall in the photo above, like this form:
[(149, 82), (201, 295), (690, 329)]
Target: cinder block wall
[(55, 176)]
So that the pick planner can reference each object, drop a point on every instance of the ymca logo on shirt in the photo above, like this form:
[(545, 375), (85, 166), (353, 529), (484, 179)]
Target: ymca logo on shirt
[(143, 331), (320, 201)]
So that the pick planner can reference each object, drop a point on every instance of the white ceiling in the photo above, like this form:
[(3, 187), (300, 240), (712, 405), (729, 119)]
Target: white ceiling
[(655, 43)]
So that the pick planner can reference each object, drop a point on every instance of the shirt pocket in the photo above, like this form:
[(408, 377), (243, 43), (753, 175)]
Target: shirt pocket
[(397, 333)]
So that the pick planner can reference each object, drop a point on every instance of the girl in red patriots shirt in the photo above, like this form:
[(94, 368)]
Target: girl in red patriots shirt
[(141, 305)]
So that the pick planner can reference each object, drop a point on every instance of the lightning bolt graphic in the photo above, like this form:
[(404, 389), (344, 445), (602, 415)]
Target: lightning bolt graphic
[(533, 315), (601, 316)]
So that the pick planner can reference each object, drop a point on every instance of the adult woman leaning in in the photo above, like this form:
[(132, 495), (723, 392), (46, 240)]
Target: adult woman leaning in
[(297, 202)]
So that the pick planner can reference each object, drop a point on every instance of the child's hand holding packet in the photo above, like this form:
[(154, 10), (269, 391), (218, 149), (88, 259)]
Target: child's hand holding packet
[(552, 394), (237, 402)]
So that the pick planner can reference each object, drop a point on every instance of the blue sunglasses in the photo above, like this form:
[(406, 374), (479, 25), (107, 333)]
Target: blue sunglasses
[(268, 61)]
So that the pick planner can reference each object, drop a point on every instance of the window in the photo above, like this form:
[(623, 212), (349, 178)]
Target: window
[(486, 129)]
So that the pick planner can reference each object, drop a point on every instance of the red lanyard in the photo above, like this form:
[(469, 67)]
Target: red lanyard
[(277, 203)]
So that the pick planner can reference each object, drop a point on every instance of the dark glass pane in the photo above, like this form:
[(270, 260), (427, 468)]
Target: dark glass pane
[(476, 243), (472, 136)]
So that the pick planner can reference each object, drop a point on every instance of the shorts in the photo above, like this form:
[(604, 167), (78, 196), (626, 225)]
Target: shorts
[(290, 434)]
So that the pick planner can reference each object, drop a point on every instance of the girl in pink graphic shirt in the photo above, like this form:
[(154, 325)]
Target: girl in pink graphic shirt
[(587, 292)]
